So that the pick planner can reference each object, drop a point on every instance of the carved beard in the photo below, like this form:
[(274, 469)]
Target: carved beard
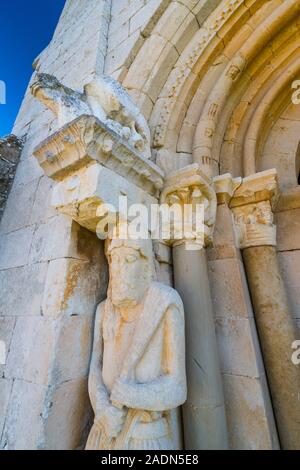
[(126, 294)]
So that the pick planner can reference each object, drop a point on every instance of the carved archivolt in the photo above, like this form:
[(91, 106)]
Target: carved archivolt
[(237, 48)]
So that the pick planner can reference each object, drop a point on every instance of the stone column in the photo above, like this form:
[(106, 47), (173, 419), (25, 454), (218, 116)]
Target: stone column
[(204, 417), (252, 206)]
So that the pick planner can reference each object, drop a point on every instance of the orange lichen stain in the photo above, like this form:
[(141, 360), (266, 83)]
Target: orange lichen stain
[(167, 352), (119, 331), (71, 282)]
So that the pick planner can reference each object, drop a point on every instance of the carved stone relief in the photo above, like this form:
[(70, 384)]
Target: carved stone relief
[(137, 375), (103, 98)]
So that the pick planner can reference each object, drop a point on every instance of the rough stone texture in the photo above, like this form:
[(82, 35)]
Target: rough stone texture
[(204, 412), (32, 238), (239, 350), (138, 361), (215, 74), (277, 333), (10, 151)]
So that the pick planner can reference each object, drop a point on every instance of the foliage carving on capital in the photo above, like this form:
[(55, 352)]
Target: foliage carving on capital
[(254, 225), (193, 191), (252, 205)]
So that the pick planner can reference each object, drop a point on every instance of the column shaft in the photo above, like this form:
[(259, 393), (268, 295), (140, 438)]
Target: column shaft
[(204, 417), (277, 332)]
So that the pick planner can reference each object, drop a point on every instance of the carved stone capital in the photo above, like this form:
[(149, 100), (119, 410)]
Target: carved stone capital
[(190, 187), (254, 225), (252, 205)]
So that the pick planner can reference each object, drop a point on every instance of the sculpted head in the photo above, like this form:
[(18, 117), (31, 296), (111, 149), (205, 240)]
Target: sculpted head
[(131, 270), (44, 85), (101, 89)]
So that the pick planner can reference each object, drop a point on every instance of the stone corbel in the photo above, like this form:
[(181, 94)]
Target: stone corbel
[(252, 205), (92, 165), (189, 186)]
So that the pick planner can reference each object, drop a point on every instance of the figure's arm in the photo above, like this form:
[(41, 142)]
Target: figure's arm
[(111, 418), (169, 390), (97, 390)]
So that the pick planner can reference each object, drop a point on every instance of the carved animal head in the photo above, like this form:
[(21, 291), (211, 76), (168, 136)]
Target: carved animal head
[(44, 82), (103, 89)]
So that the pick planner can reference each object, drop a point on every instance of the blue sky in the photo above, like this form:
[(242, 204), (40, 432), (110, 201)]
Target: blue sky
[(26, 28)]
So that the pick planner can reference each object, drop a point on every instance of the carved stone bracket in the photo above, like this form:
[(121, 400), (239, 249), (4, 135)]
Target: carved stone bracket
[(189, 186), (91, 166), (252, 205), (87, 140)]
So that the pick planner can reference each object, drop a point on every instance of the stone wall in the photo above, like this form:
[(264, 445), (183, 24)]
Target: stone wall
[(52, 272), (10, 150), (177, 60)]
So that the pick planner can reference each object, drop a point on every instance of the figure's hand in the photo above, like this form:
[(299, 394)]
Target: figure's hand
[(112, 419)]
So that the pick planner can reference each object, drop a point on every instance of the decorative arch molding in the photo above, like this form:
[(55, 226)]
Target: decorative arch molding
[(275, 101), (195, 93), (234, 71), (256, 94)]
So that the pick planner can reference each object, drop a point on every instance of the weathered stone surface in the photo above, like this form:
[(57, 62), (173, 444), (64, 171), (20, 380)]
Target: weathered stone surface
[(250, 422), (82, 194), (57, 238), (15, 248), (73, 286), (228, 302), (18, 214), (204, 412), (212, 78), (103, 98), (68, 416), (7, 325), (10, 151), (18, 416), (277, 333), (138, 360), (28, 301), (289, 262), (288, 228), (32, 349), (5, 391)]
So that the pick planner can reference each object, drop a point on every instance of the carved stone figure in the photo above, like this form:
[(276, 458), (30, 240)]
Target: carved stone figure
[(137, 375), (104, 94), (104, 98), (254, 225)]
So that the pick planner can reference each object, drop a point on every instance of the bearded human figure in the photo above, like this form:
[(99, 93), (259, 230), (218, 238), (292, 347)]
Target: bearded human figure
[(137, 375)]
